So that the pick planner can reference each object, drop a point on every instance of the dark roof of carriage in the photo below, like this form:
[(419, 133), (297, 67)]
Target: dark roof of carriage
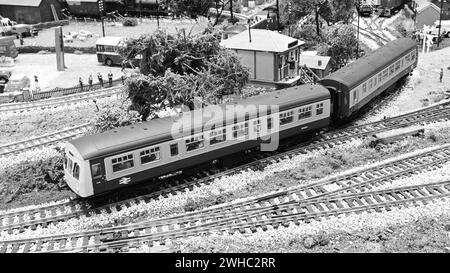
[(356, 72), (158, 130)]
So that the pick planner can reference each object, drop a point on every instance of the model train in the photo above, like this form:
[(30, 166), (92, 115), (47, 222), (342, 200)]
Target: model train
[(103, 162)]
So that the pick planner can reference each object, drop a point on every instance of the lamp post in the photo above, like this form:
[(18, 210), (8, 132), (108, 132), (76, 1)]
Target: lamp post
[(278, 16), (358, 5), (157, 13), (440, 23)]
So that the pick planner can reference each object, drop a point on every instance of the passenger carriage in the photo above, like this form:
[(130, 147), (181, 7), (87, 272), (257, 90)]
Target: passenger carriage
[(107, 161), (354, 85)]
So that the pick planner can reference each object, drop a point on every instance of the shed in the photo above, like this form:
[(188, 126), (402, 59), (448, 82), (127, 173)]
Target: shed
[(423, 12), (30, 11), (267, 54), (320, 65)]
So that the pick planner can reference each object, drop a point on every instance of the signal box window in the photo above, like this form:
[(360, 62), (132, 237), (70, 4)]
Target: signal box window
[(194, 143), (76, 171), (174, 149), (96, 170), (305, 112), (364, 88), (122, 163), (217, 136), (319, 109), (375, 81), (286, 117), (150, 155), (257, 126), (391, 70)]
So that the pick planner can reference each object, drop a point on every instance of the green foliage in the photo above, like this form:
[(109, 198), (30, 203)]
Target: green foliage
[(178, 68), (405, 26), (110, 118), (130, 22), (33, 176), (340, 44), (308, 34)]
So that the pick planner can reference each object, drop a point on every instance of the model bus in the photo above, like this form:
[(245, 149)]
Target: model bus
[(108, 50)]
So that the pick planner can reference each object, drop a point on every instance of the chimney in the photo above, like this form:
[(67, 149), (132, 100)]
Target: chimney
[(319, 62)]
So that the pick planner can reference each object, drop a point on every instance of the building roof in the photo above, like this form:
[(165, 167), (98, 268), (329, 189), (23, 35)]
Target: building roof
[(312, 61), (421, 5), (262, 40), (109, 40), (25, 3), (159, 130), (80, 1)]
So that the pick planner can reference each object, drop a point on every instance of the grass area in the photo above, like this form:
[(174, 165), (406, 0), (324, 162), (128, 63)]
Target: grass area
[(47, 37)]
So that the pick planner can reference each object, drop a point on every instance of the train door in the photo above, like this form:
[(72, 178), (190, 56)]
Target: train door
[(334, 107)]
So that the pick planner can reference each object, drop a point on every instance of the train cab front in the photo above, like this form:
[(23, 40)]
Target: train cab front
[(76, 172)]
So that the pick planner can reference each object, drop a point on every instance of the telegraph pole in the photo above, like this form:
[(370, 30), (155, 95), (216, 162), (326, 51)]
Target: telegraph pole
[(440, 23), (101, 10), (278, 16), (358, 4), (231, 10), (157, 13)]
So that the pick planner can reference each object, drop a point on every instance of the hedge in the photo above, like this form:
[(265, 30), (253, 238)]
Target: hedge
[(67, 49), (40, 26)]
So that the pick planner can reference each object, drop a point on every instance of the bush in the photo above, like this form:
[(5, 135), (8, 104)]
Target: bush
[(405, 26), (67, 49), (110, 118), (130, 22), (33, 176), (44, 25)]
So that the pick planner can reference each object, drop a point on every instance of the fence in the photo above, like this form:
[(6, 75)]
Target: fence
[(57, 92)]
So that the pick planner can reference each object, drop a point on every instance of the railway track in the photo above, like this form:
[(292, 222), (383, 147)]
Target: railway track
[(59, 101), (358, 181), (242, 219), (47, 139), (43, 216)]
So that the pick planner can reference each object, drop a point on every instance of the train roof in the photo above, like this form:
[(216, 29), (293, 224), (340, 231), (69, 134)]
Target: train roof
[(363, 68), (159, 130)]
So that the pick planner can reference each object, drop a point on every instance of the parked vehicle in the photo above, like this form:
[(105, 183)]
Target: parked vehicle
[(8, 47), (108, 50), (445, 27), (365, 10), (21, 29), (99, 163), (17, 82), (5, 26)]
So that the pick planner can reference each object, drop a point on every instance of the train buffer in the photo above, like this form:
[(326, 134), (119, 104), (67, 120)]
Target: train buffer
[(396, 135)]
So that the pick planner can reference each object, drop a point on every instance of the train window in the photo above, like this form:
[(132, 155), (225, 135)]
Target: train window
[(174, 149), (391, 70), (402, 63), (319, 109), (96, 170), (305, 112), (407, 58), (70, 166), (364, 88), (413, 55), (286, 117), (76, 171), (217, 136), (150, 155), (240, 130), (397, 65), (385, 74), (257, 126), (122, 163), (354, 97), (194, 143), (269, 123)]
